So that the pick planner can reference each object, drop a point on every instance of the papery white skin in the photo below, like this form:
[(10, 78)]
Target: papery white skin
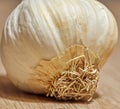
[(43, 29)]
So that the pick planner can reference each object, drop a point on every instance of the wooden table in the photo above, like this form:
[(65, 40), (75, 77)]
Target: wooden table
[(108, 93)]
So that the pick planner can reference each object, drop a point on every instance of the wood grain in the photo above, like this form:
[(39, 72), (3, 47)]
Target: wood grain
[(106, 97)]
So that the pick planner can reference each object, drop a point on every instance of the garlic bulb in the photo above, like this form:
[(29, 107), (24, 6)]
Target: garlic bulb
[(57, 47)]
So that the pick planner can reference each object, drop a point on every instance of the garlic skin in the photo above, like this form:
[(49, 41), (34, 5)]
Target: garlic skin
[(43, 29)]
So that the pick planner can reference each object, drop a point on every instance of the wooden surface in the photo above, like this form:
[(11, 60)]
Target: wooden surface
[(106, 97)]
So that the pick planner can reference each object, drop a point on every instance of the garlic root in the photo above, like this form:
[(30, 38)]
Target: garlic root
[(71, 76), (74, 86)]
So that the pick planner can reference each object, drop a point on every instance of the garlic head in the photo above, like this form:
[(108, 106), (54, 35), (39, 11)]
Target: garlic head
[(57, 47)]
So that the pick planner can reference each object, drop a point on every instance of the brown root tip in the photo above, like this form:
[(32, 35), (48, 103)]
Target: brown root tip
[(72, 85)]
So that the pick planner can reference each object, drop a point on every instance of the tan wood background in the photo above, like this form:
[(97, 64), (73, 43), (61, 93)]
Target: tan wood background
[(108, 92)]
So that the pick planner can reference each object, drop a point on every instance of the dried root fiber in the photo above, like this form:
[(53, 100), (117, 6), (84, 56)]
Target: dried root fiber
[(75, 84), (71, 76)]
